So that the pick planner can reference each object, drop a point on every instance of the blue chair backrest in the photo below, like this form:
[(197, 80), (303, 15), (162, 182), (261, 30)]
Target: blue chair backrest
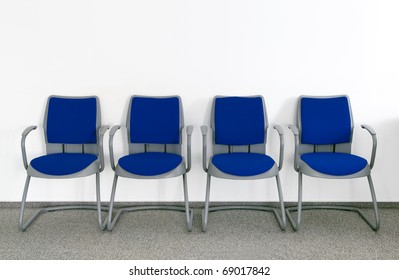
[(71, 120), (239, 120), (154, 120), (325, 120)]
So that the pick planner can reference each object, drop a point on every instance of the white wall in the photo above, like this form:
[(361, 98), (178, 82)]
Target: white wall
[(198, 49)]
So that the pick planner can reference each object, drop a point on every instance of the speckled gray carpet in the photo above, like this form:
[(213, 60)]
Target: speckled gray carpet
[(231, 235)]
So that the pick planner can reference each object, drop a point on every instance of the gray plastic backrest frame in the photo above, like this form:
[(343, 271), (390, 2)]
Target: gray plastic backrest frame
[(309, 148), (135, 148), (223, 149), (52, 148)]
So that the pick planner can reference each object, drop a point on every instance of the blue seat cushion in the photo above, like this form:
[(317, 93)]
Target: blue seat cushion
[(62, 164), (243, 164), (150, 164), (336, 164)]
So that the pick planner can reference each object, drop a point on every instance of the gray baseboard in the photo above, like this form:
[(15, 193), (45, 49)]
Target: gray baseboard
[(197, 204)]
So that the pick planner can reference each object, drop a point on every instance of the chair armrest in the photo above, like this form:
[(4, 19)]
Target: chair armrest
[(281, 135), (101, 133), (103, 129), (374, 136), (369, 129), (114, 129), (295, 131), (189, 131), (23, 149), (204, 132)]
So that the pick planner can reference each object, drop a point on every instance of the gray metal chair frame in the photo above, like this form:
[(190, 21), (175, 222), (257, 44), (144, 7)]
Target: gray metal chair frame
[(211, 170), (95, 168), (303, 168), (181, 170)]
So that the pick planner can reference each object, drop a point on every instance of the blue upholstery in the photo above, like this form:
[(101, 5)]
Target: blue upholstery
[(62, 164), (325, 120), (243, 164), (336, 164), (155, 120), (150, 164), (72, 120), (239, 120)]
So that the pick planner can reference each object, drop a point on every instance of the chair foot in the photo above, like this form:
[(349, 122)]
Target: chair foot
[(280, 219), (294, 225), (375, 226), (204, 226), (189, 218), (23, 226)]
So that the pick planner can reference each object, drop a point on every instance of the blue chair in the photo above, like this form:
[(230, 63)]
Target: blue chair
[(323, 141), (239, 129), (154, 134), (74, 145)]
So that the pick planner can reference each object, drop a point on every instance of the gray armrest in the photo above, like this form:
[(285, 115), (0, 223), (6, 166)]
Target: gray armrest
[(369, 129), (114, 129), (374, 136), (295, 131), (101, 133), (111, 144), (204, 132), (28, 130), (281, 134), (189, 131), (279, 129), (23, 149), (103, 129)]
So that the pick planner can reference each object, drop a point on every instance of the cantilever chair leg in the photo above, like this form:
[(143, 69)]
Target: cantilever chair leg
[(377, 224), (295, 225), (189, 212), (112, 221), (101, 223), (281, 220), (23, 226), (205, 211)]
